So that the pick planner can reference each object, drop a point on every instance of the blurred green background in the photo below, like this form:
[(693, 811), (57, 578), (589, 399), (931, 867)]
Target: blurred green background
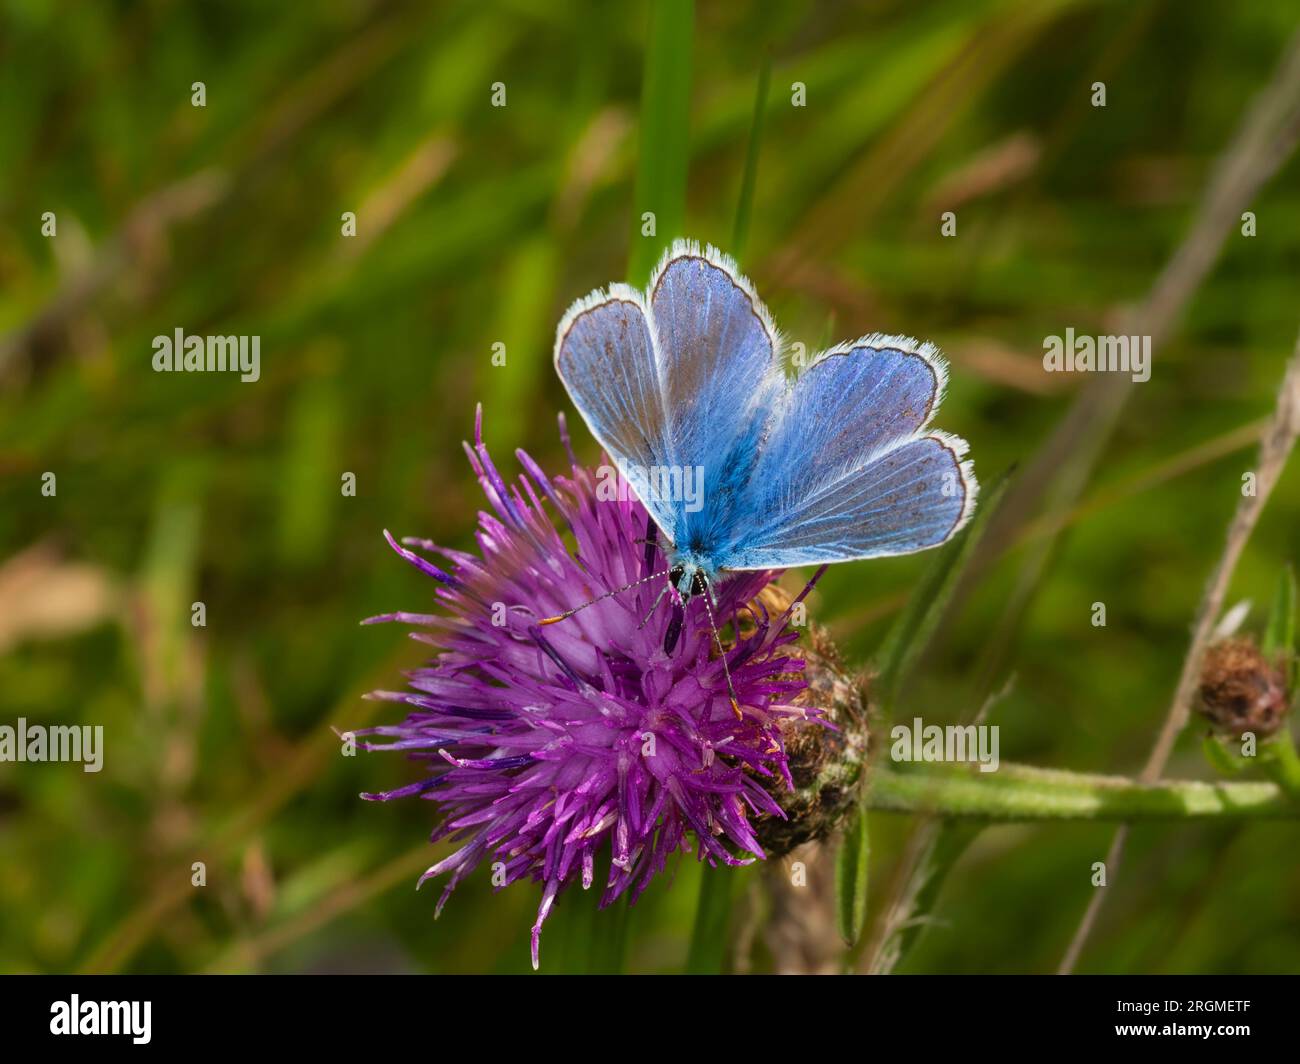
[(479, 224)]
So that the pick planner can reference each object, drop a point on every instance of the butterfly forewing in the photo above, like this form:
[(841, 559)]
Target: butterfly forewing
[(718, 355), (605, 355)]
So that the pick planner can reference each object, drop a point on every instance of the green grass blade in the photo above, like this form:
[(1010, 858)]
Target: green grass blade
[(584, 939), (950, 840), (665, 135), (851, 863), (1279, 634), (745, 207), (708, 949), (610, 951)]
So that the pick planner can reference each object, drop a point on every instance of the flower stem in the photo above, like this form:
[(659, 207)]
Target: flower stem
[(1283, 764), (1019, 793)]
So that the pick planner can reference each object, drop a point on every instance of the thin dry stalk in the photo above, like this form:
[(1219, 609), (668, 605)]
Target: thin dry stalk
[(800, 930), (1266, 138), (1274, 450)]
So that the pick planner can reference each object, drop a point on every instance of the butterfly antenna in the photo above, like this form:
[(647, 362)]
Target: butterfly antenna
[(617, 591), (722, 653)]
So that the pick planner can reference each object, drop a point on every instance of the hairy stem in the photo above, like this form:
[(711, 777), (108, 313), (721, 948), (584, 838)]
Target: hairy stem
[(1021, 793)]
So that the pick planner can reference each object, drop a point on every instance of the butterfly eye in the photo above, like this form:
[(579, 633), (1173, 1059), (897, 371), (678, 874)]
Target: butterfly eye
[(697, 584), (675, 574)]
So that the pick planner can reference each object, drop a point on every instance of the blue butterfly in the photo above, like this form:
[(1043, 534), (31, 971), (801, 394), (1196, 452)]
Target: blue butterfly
[(685, 386)]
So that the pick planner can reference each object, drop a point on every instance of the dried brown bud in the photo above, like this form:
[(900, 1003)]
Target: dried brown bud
[(826, 764), (1241, 690)]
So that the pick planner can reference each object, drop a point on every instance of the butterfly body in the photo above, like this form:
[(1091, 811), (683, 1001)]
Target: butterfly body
[(741, 464)]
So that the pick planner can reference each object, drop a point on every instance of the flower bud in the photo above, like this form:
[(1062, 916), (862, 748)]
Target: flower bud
[(1241, 690), (826, 763)]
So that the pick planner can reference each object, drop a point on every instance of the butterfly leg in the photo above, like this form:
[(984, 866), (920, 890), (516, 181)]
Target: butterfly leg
[(658, 599), (651, 541), (674, 629)]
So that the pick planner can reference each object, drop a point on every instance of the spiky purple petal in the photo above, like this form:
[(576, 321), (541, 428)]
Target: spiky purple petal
[(547, 747)]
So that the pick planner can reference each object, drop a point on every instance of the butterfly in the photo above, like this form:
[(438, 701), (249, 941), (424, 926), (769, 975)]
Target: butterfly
[(742, 464)]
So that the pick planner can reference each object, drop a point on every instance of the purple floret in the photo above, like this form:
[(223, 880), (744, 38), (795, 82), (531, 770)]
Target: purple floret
[(550, 746)]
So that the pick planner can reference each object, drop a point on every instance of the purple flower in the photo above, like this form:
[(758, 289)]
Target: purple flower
[(554, 749)]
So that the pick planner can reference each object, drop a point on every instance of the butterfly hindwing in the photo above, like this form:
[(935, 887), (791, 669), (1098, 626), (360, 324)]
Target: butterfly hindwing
[(849, 470), (914, 497)]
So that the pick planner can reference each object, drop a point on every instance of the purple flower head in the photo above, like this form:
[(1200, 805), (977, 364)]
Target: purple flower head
[(555, 749)]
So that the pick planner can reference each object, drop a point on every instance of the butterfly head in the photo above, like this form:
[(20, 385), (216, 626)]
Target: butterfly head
[(688, 580)]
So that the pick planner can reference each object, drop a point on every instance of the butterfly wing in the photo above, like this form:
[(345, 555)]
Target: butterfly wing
[(681, 380), (849, 470), (605, 355), (717, 349)]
